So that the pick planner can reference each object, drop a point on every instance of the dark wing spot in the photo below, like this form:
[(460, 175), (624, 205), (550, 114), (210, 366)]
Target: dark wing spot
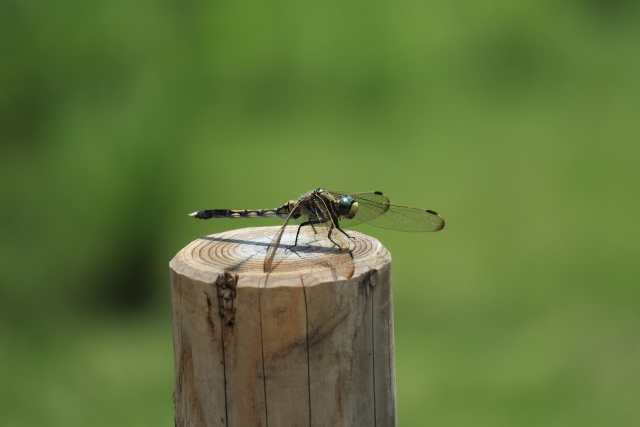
[(432, 212), (379, 193)]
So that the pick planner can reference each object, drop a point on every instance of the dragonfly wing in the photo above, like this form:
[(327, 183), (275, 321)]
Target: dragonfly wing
[(408, 218), (371, 204), (374, 208), (275, 242)]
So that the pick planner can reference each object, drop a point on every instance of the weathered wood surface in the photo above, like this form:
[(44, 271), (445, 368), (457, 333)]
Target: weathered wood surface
[(308, 344)]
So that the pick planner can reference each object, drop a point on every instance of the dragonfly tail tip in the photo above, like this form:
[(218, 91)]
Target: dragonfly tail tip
[(193, 214)]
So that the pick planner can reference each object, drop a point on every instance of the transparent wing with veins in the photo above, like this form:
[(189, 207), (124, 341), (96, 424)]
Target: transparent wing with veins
[(275, 242), (375, 209)]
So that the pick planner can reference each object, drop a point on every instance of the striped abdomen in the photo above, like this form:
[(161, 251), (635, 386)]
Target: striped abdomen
[(234, 213)]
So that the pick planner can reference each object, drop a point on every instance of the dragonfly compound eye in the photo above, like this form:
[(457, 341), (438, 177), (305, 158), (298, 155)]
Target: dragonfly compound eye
[(347, 207)]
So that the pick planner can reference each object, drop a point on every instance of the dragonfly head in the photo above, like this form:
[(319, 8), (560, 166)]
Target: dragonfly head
[(347, 207)]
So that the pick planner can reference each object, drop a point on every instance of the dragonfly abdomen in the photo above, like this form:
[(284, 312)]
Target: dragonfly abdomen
[(235, 213)]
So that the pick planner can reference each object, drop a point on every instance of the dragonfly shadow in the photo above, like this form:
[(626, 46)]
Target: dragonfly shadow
[(311, 253), (237, 241), (300, 247)]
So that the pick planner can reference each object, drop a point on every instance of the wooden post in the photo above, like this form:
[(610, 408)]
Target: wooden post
[(310, 343)]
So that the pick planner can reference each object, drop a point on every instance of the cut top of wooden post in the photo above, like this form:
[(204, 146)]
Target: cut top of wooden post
[(243, 252)]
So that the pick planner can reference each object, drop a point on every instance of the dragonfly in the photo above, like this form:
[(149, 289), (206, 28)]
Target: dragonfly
[(328, 212)]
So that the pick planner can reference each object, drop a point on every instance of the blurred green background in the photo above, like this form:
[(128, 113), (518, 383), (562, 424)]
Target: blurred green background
[(517, 121)]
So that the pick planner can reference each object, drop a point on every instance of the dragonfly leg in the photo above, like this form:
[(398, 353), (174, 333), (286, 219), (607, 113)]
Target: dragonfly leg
[(345, 233), (290, 248), (342, 231), (295, 243), (329, 235)]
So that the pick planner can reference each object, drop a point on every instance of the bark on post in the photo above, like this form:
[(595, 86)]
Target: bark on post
[(310, 343)]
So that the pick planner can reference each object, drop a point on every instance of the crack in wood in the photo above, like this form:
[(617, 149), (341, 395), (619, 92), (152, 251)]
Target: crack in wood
[(226, 287)]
